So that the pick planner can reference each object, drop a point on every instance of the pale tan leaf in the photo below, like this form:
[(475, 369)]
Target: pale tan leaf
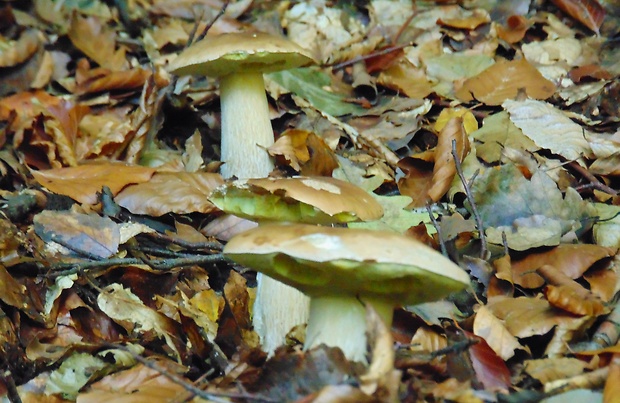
[(490, 328), (503, 81), (550, 369), (174, 192), (549, 128), (84, 182), (16, 52), (445, 168), (97, 42)]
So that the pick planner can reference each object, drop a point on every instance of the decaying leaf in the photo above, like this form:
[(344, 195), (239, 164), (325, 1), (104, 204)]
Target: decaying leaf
[(589, 12), (168, 192), (84, 182), (503, 81)]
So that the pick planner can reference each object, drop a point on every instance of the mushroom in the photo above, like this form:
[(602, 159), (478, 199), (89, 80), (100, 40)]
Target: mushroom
[(239, 61), (341, 269), (315, 200)]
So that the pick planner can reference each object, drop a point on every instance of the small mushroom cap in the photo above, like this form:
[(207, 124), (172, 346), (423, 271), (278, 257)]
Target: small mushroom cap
[(237, 52), (313, 200), (322, 261)]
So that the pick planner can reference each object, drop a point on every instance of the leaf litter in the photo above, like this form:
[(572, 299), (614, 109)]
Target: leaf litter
[(487, 130)]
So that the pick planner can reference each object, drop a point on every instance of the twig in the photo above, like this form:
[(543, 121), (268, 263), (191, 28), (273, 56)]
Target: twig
[(210, 396), (7, 378), (442, 243), (213, 21), (65, 269), (361, 58), (594, 182), (186, 244), (470, 198)]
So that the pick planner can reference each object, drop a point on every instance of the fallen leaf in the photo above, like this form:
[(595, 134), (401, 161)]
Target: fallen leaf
[(588, 12), (81, 233), (503, 81), (97, 42), (171, 192), (84, 182)]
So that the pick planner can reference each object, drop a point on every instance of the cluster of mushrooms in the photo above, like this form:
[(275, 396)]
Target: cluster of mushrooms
[(340, 269)]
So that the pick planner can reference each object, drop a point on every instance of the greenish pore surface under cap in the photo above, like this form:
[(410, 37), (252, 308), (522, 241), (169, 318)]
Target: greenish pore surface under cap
[(272, 207), (402, 284)]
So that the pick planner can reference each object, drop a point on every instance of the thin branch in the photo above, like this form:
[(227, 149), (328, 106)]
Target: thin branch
[(65, 269), (470, 198), (210, 396), (213, 21), (361, 58), (442, 243)]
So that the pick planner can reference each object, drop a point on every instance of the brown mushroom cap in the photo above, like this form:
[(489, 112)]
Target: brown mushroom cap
[(240, 52), (323, 261), (316, 200)]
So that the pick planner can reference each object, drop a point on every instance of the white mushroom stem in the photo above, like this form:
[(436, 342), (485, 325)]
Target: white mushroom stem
[(246, 128), (277, 309), (246, 133), (340, 321)]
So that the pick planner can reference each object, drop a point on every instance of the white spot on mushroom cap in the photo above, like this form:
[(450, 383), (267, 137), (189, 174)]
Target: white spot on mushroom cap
[(318, 185), (324, 242)]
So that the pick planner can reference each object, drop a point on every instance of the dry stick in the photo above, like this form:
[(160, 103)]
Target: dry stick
[(188, 244), (211, 396), (442, 243), (594, 182), (381, 52), (470, 198), (12, 394), (361, 58), (217, 17), (56, 270)]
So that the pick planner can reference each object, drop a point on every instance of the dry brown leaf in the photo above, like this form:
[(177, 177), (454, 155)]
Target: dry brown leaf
[(95, 235), (490, 328), (572, 260), (565, 293), (602, 282), (503, 81), (525, 317), (17, 52), (612, 384), (84, 182), (292, 146), (501, 284), (406, 78), (417, 182), (137, 384), (445, 168), (588, 12), (382, 362), (550, 369), (101, 79), (103, 133), (97, 42), (171, 192), (477, 18), (514, 31), (16, 295)]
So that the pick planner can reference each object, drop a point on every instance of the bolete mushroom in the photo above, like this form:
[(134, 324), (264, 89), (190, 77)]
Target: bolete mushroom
[(239, 61), (341, 269), (314, 200)]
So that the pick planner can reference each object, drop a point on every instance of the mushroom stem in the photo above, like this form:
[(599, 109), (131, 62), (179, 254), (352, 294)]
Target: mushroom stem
[(246, 128), (277, 309), (246, 132), (340, 321)]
